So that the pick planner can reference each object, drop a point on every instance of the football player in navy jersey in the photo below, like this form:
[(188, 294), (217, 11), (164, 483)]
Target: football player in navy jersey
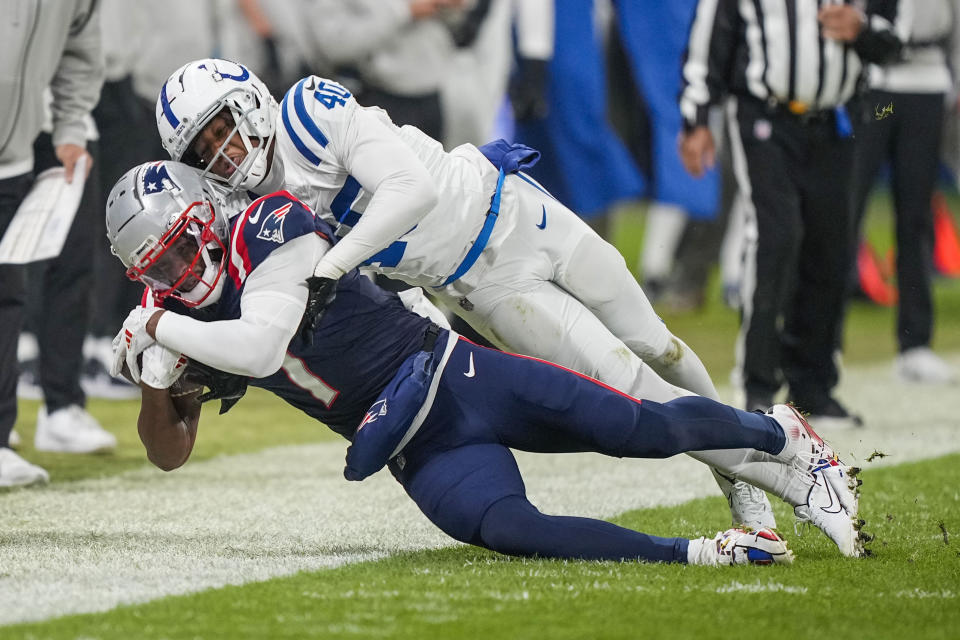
[(440, 411)]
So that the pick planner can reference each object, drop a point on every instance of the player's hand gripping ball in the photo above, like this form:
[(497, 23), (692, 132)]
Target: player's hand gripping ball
[(130, 342)]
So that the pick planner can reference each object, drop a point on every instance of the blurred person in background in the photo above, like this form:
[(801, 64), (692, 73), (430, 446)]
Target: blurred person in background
[(396, 55), (128, 140), (499, 77), (64, 286), (397, 52), (585, 162), (44, 45), (900, 121), (182, 30), (790, 67), (653, 37), (707, 242)]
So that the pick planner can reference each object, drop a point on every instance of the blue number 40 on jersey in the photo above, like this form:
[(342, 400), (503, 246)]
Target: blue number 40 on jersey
[(331, 95)]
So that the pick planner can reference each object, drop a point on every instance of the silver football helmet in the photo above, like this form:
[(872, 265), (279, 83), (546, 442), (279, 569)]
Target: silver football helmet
[(166, 225), (195, 94)]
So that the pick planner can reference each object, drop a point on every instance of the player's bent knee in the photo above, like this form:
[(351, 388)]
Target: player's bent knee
[(621, 369), (596, 272), (512, 526)]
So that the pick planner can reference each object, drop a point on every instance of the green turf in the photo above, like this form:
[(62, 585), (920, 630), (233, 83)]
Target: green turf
[(262, 421), (910, 588)]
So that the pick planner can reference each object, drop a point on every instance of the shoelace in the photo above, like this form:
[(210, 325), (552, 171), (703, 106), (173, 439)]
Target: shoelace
[(749, 494), (801, 524), (817, 463), (805, 472)]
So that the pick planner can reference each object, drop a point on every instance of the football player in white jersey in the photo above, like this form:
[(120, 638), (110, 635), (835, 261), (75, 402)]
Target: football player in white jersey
[(486, 239)]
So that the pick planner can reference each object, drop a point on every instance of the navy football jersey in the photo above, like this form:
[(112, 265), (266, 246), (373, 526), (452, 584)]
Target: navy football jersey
[(362, 339)]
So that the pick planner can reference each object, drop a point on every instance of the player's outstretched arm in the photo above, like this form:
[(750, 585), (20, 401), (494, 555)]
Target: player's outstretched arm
[(168, 423)]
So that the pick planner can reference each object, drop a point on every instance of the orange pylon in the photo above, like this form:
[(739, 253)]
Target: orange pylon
[(874, 282), (946, 244)]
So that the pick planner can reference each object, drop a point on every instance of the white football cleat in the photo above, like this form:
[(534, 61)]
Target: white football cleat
[(804, 448), (17, 472), (832, 505), (740, 546), (71, 430), (749, 506), (830, 489), (14, 440)]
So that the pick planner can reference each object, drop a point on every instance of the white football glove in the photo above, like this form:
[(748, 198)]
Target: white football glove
[(161, 366), (131, 341)]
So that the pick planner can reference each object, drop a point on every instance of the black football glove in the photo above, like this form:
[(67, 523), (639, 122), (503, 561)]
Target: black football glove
[(322, 293), (528, 89), (226, 387)]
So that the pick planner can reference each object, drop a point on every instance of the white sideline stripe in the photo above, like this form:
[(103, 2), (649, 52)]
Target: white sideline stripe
[(93, 545)]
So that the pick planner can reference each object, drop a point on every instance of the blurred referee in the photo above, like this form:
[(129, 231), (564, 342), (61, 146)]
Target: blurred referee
[(790, 65)]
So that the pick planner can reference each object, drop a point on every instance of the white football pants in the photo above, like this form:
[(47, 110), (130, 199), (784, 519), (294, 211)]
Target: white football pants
[(557, 291)]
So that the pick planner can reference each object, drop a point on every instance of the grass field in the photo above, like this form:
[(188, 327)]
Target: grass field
[(259, 537), (909, 588)]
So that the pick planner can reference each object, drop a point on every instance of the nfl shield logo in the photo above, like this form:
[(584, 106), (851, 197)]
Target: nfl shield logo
[(762, 129)]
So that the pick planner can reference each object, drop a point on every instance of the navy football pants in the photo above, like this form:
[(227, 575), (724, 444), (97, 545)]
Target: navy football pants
[(459, 470)]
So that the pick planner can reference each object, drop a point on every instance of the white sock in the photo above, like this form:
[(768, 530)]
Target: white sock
[(699, 553), (665, 224), (754, 467)]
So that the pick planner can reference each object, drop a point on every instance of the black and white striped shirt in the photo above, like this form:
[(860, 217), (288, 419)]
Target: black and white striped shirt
[(774, 51)]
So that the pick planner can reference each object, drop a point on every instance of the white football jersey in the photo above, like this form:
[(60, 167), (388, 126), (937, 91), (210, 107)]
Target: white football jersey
[(338, 156)]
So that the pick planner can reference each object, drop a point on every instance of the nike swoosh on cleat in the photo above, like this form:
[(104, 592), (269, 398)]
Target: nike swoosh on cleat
[(470, 371), (543, 222), (834, 498)]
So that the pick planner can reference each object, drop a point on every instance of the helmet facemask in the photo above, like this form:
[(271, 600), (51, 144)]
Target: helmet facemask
[(243, 106), (186, 263)]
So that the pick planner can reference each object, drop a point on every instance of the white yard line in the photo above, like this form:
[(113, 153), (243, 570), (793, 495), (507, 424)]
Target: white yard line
[(96, 544)]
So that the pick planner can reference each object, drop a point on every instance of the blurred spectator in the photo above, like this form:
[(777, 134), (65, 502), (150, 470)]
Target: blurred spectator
[(653, 36), (180, 31), (900, 120), (127, 133), (398, 50), (58, 46), (65, 291), (509, 55), (585, 164), (793, 153), (705, 242)]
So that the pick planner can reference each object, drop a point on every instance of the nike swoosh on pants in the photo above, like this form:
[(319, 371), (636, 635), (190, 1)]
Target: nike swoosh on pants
[(543, 222), (470, 371)]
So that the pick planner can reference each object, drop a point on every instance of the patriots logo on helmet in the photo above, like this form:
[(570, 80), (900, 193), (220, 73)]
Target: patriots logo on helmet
[(272, 227), (377, 409), (156, 178)]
